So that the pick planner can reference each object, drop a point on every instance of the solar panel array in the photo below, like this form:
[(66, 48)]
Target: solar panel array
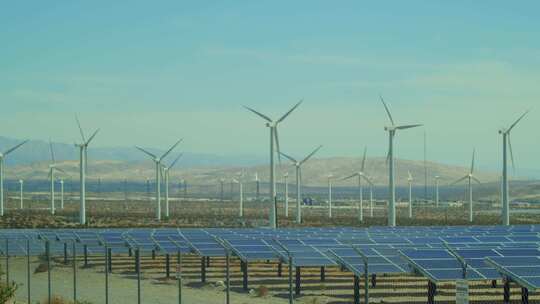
[(387, 249)]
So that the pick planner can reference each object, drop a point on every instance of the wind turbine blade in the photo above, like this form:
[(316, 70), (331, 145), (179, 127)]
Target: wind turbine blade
[(364, 160), (516, 122), (15, 148), (52, 152), (290, 111), (80, 129), (476, 180), (169, 151), (146, 152), (387, 110), (92, 137), (472, 163), (350, 176), (259, 114), (289, 157), (388, 157), (459, 180), (61, 170), (410, 176), (511, 154), (276, 138), (311, 154), (174, 162), (403, 127)]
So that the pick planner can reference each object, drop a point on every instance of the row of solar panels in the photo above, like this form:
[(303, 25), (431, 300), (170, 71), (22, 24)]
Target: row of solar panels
[(171, 239), (348, 247)]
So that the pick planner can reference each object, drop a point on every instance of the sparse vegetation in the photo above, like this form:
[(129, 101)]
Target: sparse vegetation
[(7, 290)]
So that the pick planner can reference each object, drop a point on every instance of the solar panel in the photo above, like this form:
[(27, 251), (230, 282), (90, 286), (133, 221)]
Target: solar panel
[(524, 271)]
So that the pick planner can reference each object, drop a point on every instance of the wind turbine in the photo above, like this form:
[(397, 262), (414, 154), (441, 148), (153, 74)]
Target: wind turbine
[(157, 160), (83, 166), (52, 169), (470, 177), (285, 178), (166, 171), (298, 165), (62, 194), (410, 180), (240, 183), (390, 159), (361, 175), (505, 192), (330, 177), (257, 187), (221, 181), (21, 183), (2, 157), (437, 190), (274, 140)]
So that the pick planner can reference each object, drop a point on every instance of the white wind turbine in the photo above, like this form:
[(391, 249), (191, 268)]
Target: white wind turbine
[(361, 175), (410, 180), (62, 194), (390, 159), (240, 183), (437, 190), (52, 170), (470, 177), (2, 157), (21, 192), (298, 166), (330, 178), (285, 178), (166, 172), (274, 140), (505, 192), (83, 166), (157, 160)]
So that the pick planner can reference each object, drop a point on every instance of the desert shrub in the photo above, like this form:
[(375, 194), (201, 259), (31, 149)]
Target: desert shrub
[(7, 290), (262, 291)]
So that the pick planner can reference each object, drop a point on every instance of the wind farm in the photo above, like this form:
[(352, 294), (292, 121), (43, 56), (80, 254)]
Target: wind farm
[(306, 152)]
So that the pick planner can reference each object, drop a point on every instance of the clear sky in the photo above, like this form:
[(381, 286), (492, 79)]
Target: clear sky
[(147, 72)]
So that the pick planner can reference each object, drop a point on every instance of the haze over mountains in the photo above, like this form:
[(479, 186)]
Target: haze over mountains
[(32, 160)]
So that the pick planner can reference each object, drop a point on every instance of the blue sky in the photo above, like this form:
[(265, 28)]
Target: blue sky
[(148, 72)]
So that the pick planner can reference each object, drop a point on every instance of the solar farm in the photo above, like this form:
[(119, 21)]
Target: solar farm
[(500, 264)]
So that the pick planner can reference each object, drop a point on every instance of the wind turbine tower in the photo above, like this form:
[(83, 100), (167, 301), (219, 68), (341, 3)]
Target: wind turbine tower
[(330, 178), (285, 181), (410, 180), (274, 147), (2, 158), (83, 166), (470, 177), (52, 170), (361, 176), (505, 191), (21, 193), (157, 160), (166, 172), (437, 191), (298, 166), (390, 159)]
